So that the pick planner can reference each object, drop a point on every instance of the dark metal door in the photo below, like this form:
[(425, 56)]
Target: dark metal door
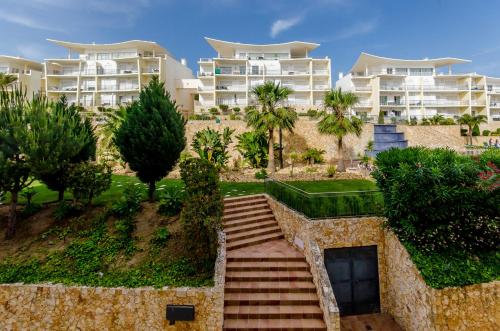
[(353, 273)]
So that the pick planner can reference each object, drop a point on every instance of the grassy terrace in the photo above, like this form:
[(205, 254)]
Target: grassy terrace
[(45, 195)]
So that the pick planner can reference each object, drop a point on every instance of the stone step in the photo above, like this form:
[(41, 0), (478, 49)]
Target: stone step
[(250, 227), (266, 287), (242, 209), (274, 325), (266, 265), (249, 220), (269, 257), (268, 276), (252, 234), (276, 298), (247, 214), (244, 198), (243, 203), (273, 312), (254, 240)]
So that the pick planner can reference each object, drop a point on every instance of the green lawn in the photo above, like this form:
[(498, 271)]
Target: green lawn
[(229, 189)]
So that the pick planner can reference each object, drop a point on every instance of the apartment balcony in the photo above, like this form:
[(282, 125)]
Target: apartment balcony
[(321, 87), (204, 74), (392, 103), (391, 88), (88, 89), (205, 60), (205, 88), (295, 87), (494, 89), (320, 72), (231, 88), (478, 88), (477, 103), (495, 104), (362, 88), (73, 72), (152, 71), (56, 88), (437, 88), (363, 104), (439, 103), (119, 88)]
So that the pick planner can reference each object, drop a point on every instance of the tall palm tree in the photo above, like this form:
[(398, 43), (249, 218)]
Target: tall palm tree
[(471, 121), (286, 121), (112, 119), (6, 79), (269, 95), (334, 121)]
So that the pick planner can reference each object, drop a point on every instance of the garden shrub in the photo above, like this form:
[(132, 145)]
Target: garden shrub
[(202, 212), (413, 120), (447, 121), (88, 180), (486, 132), (312, 113), (434, 200), (475, 131), (214, 111), (381, 119), (237, 110), (313, 156), (331, 171), (212, 145), (161, 236), (490, 155), (129, 203), (224, 108), (64, 210), (253, 148), (261, 174), (171, 202)]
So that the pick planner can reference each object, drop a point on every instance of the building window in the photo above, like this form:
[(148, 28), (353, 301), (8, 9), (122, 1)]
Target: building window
[(389, 71), (401, 71)]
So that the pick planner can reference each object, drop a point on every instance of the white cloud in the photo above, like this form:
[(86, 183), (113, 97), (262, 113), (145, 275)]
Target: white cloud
[(31, 51), (283, 25), (24, 21), (359, 28)]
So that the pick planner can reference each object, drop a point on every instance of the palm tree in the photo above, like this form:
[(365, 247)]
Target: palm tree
[(6, 79), (269, 95), (286, 121), (335, 123), (436, 119), (105, 132), (471, 121)]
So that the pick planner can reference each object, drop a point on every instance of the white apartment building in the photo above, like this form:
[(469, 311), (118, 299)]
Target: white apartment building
[(27, 72), (110, 75), (403, 89), (229, 77)]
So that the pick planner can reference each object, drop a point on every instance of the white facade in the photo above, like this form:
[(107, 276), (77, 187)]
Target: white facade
[(229, 77), (405, 89), (27, 72), (110, 75)]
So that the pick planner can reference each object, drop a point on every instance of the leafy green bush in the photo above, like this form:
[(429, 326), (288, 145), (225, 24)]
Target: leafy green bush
[(129, 203), (161, 236), (413, 120), (331, 170), (434, 201), (486, 132), (234, 117), (311, 170), (64, 210), (312, 113), (237, 110), (253, 148), (261, 174), (447, 121), (490, 155), (212, 145), (213, 111), (224, 108), (381, 119), (202, 212), (475, 131), (313, 156), (425, 122), (171, 202), (88, 180)]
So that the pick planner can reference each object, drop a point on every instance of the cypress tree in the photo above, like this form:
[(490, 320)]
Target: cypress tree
[(152, 136)]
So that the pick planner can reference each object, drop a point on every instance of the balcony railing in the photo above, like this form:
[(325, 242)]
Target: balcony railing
[(362, 88), (119, 87), (320, 72), (363, 104), (205, 88), (321, 87), (204, 59), (495, 104), (392, 103), (391, 87), (73, 72), (478, 103), (241, 88), (204, 74)]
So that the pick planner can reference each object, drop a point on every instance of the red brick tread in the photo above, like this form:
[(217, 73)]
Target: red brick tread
[(244, 203), (268, 276), (275, 324), (249, 220), (253, 233), (247, 214), (269, 311), (250, 226), (254, 240), (241, 209), (263, 287), (267, 265)]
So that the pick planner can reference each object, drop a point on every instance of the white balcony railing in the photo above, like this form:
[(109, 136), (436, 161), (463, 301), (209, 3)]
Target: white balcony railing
[(320, 72), (362, 88), (391, 87)]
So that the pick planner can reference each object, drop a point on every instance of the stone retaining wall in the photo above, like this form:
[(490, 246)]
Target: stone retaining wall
[(306, 135), (403, 292), (416, 306), (58, 307)]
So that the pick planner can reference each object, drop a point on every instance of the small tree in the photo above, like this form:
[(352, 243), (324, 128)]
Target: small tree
[(88, 180), (212, 145), (152, 136), (59, 137), (381, 119), (202, 213), (6, 80), (471, 121), (252, 146), (14, 169)]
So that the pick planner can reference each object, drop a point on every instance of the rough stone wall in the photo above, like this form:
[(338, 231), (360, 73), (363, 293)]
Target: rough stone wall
[(58, 307), (416, 306), (403, 292), (306, 135)]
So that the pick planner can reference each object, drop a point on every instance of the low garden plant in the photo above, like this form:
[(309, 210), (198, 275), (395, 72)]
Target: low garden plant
[(444, 208)]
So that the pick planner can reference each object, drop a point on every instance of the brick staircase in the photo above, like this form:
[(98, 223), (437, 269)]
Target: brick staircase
[(268, 283)]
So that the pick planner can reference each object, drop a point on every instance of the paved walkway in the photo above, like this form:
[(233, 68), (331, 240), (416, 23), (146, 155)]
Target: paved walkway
[(369, 322)]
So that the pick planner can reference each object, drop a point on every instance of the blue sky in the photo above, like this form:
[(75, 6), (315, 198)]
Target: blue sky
[(344, 28)]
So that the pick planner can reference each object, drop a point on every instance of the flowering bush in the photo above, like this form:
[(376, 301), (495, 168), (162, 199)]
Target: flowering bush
[(439, 200)]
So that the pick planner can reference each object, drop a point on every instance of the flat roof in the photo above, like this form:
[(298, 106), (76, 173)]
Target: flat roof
[(222, 46), (19, 60), (366, 59), (81, 47)]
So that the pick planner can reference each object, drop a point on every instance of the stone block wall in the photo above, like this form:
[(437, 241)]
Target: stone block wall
[(59, 307), (416, 306), (403, 292)]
